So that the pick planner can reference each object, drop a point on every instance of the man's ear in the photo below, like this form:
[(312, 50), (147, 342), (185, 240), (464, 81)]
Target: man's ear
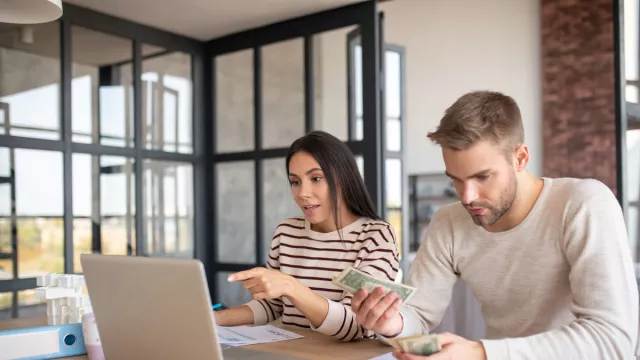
[(521, 157)]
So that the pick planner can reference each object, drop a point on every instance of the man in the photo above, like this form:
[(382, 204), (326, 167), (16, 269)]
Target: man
[(548, 259)]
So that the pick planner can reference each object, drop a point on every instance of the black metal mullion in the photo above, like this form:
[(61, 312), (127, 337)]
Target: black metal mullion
[(14, 229), (373, 161), (15, 285), (309, 85), (139, 145), (14, 305), (415, 237), (31, 143), (257, 121), (210, 177), (250, 155), (96, 212), (65, 110)]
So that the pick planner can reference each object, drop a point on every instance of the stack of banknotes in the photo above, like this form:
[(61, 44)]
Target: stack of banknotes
[(352, 280), (418, 345)]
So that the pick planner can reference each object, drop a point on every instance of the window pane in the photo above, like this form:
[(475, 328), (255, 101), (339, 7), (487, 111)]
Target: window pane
[(632, 223), (6, 302), (357, 75), (117, 198), (231, 294), (331, 73), (236, 212), (393, 179), (394, 136), (4, 113), (633, 162), (28, 305), (358, 130), (282, 93), (167, 101), (631, 32), (103, 205), (360, 163), (101, 88), (169, 208), (394, 217), (392, 84), (631, 93), (40, 230), (30, 80), (83, 211), (234, 102), (5, 168), (278, 203)]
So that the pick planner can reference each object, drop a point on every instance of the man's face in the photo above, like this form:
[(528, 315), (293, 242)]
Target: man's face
[(484, 179)]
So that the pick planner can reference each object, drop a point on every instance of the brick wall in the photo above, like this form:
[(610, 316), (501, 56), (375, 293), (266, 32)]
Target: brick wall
[(578, 89)]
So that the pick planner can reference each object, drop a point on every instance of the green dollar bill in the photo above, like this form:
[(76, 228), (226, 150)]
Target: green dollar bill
[(352, 280), (423, 346)]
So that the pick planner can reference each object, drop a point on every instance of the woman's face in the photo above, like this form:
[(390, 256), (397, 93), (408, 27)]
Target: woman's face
[(310, 189)]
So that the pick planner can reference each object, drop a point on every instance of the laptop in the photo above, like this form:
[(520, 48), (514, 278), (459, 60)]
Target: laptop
[(156, 308)]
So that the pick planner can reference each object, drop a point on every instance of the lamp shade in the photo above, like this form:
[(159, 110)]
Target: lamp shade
[(29, 11)]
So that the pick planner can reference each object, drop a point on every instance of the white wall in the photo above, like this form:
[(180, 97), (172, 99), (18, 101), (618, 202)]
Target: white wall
[(456, 46)]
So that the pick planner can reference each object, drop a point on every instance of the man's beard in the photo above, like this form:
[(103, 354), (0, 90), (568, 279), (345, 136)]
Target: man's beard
[(493, 213)]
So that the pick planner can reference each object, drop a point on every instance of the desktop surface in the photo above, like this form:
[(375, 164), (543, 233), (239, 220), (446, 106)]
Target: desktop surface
[(314, 345)]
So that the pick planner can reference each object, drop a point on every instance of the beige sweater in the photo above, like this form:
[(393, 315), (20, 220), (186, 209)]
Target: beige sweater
[(560, 285), (313, 258)]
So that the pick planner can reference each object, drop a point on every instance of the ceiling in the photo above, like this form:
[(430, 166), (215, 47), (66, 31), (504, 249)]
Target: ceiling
[(208, 19), (88, 47)]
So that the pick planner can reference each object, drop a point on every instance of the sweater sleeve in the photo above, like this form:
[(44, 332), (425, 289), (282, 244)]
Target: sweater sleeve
[(266, 311), (603, 285), (380, 259), (432, 273)]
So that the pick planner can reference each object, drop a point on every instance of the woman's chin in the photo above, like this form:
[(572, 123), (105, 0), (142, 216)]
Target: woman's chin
[(314, 219)]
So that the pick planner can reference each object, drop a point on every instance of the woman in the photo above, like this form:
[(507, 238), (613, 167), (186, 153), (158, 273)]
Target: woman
[(340, 228)]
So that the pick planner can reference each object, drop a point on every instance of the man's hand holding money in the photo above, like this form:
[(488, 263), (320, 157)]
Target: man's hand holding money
[(378, 312), (453, 347)]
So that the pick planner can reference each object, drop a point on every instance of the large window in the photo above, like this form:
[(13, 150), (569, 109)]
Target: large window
[(31, 180), (393, 121), (96, 152), (270, 87), (121, 139), (632, 57)]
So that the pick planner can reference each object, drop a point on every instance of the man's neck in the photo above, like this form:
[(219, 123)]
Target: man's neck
[(529, 189)]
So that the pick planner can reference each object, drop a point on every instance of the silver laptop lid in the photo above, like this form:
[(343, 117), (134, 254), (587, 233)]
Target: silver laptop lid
[(151, 308)]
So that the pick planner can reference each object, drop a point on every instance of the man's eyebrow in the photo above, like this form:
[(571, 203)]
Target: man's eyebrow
[(479, 173)]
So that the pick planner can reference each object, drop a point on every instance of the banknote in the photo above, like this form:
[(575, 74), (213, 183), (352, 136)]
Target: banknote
[(352, 280), (420, 345)]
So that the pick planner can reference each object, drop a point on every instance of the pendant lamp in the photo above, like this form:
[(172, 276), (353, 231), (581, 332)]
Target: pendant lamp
[(30, 11)]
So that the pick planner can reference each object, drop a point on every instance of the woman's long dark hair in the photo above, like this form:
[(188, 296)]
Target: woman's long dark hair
[(341, 171)]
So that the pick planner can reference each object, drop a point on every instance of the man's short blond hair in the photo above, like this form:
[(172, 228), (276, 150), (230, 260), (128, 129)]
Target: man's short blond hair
[(478, 116)]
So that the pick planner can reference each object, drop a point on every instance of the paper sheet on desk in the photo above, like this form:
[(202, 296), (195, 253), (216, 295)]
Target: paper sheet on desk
[(387, 356), (249, 335)]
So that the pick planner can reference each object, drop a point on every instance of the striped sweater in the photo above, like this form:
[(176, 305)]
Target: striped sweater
[(313, 258)]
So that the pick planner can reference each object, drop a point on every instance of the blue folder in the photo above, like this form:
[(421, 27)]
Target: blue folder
[(45, 342)]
